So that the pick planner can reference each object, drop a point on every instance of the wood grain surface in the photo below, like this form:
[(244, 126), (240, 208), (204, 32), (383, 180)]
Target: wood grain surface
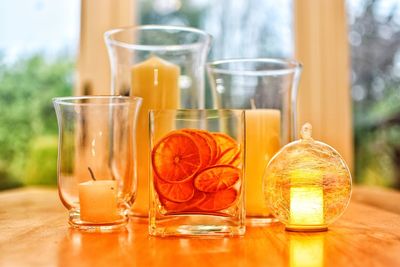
[(34, 232)]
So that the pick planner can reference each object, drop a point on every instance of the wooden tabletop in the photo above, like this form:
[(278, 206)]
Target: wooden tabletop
[(34, 232)]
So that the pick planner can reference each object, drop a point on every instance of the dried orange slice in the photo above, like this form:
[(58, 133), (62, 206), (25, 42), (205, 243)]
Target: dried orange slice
[(228, 156), (186, 206), (219, 200), (176, 157), (224, 141), (177, 192), (228, 147), (203, 145), (237, 159), (215, 150), (197, 199), (215, 178)]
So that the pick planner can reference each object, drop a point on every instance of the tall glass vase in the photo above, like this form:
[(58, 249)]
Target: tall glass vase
[(267, 90), (165, 66)]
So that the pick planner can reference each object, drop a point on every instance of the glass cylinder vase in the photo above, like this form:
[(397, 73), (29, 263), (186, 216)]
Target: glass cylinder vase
[(165, 66), (267, 90), (97, 159)]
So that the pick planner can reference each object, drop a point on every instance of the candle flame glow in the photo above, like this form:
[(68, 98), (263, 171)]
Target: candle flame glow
[(306, 206)]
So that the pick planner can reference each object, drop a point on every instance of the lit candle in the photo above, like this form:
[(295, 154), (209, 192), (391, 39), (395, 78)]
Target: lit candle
[(98, 201), (306, 206), (262, 142), (157, 82)]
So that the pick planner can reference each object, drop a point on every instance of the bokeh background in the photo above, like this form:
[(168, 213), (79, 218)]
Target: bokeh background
[(39, 46)]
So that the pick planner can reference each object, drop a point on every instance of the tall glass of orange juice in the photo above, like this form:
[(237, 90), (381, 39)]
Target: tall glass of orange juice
[(165, 66), (267, 90)]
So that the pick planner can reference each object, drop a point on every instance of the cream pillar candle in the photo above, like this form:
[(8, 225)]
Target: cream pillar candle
[(157, 82), (262, 142)]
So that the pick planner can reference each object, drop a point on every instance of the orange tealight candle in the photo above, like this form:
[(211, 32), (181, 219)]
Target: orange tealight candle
[(98, 201)]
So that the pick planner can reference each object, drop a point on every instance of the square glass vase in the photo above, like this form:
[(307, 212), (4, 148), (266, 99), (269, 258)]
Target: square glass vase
[(196, 173)]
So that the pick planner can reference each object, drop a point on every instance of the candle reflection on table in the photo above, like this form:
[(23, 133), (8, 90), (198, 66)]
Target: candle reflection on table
[(306, 250), (87, 245)]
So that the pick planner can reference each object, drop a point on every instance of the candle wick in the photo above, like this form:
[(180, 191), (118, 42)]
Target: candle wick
[(252, 103), (92, 174)]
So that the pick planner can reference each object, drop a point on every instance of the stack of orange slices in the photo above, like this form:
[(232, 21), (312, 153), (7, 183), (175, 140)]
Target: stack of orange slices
[(196, 171)]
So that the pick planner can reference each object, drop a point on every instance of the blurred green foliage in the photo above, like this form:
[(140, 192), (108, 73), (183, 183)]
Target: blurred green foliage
[(374, 38), (41, 163), (377, 140), (28, 125)]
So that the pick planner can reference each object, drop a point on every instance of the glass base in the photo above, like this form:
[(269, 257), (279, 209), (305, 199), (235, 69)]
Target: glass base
[(140, 208), (260, 220), (196, 225), (306, 228), (76, 223), (138, 215)]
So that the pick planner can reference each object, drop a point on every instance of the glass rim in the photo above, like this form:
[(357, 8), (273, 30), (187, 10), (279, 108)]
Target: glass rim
[(196, 110), (71, 100), (108, 37), (291, 66), (195, 114)]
